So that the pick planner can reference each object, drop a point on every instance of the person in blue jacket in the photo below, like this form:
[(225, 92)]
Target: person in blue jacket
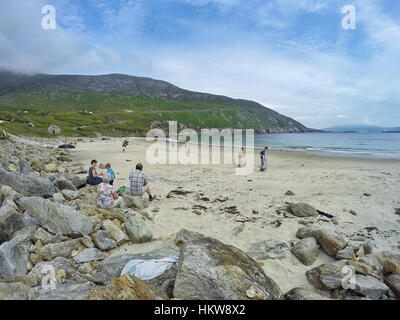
[(263, 155)]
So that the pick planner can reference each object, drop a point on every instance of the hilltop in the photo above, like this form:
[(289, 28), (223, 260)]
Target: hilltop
[(118, 104)]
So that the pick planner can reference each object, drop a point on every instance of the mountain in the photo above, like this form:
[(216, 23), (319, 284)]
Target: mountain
[(361, 128), (118, 104)]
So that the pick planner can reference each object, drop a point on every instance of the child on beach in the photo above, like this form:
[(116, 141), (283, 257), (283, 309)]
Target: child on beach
[(111, 172), (124, 145), (263, 159), (241, 162)]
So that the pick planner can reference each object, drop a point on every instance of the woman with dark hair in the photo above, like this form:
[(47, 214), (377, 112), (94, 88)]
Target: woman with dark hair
[(93, 178)]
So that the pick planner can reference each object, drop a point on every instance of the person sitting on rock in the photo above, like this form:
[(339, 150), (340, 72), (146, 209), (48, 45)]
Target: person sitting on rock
[(107, 197), (93, 178), (139, 183)]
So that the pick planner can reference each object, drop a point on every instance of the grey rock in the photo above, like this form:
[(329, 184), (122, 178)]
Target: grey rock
[(27, 184), (25, 167), (14, 291), (137, 229), (88, 255), (10, 221), (64, 184), (70, 194), (268, 249), (103, 240), (327, 276), (77, 181), (393, 282), (58, 197), (303, 293), (306, 250), (57, 218), (61, 249), (346, 253), (209, 269), (370, 287), (68, 290), (302, 210), (14, 257)]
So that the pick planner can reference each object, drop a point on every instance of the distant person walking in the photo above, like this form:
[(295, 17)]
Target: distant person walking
[(93, 178), (111, 172), (139, 183), (124, 145), (241, 162), (107, 197), (263, 155)]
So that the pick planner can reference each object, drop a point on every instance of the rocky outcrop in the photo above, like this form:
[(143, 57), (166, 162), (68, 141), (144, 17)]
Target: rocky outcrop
[(57, 218), (27, 185), (209, 269)]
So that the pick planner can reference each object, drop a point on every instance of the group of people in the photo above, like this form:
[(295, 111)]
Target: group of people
[(107, 196), (263, 156)]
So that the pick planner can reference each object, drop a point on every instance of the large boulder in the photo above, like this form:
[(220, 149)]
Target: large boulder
[(137, 229), (78, 182), (14, 291), (10, 221), (103, 240), (391, 262), (57, 218), (70, 194), (211, 270), (327, 276), (370, 287), (302, 210), (67, 290), (393, 281), (63, 183), (27, 184), (14, 257), (61, 249), (306, 250), (88, 255), (116, 233), (268, 249), (127, 287)]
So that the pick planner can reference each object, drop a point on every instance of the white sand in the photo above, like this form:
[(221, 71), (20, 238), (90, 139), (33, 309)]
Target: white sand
[(331, 184)]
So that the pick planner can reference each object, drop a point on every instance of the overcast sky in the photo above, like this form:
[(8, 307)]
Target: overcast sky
[(290, 55)]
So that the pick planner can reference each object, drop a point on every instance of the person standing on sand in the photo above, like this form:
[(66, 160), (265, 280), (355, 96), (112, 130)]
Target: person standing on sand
[(241, 162), (93, 178), (263, 159), (139, 183), (124, 145)]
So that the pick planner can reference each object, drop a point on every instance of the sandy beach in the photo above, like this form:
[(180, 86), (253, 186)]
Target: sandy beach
[(330, 184)]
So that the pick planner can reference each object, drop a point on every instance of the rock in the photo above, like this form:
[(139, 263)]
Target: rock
[(137, 229), (5, 191), (57, 218), (62, 249), (366, 194), (88, 255), (238, 229), (302, 210), (391, 262), (136, 202), (67, 290), (370, 287), (77, 182), (393, 282), (70, 195), (111, 267), (360, 252), (103, 240), (354, 213), (42, 235), (87, 242), (268, 249), (51, 167), (10, 221), (24, 167), (327, 276), (25, 279), (289, 193), (14, 291), (64, 184), (329, 240), (211, 270), (14, 257), (27, 184), (306, 250), (116, 233), (305, 233), (184, 236), (303, 293), (127, 287), (58, 197), (346, 253), (369, 246)]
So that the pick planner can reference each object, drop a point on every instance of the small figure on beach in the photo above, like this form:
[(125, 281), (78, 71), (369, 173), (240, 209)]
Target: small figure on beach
[(93, 178), (124, 145), (139, 183), (107, 196), (111, 172), (263, 159), (241, 161)]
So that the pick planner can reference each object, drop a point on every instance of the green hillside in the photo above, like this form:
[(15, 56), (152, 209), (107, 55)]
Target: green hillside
[(123, 105)]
